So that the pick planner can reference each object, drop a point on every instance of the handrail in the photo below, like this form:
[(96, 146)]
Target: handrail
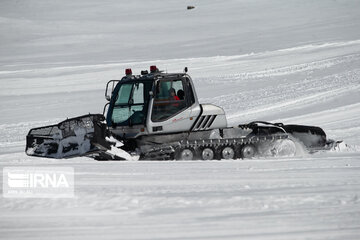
[(108, 97), (104, 110)]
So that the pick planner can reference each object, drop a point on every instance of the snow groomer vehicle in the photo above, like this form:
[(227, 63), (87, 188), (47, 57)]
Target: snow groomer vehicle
[(157, 116)]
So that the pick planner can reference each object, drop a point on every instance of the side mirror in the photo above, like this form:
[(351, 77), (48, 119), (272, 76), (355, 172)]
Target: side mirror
[(108, 98), (185, 70)]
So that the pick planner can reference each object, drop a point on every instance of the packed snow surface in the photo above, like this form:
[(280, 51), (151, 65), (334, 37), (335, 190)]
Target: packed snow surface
[(296, 62)]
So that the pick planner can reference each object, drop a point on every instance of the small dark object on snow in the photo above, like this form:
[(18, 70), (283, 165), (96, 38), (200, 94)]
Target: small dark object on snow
[(190, 7)]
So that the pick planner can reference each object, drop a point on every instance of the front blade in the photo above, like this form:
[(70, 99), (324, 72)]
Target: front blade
[(70, 138)]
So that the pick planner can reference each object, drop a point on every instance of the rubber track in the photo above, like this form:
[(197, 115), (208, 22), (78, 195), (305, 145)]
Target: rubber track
[(167, 151)]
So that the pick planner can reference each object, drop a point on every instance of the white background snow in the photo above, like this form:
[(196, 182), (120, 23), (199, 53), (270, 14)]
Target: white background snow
[(281, 60)]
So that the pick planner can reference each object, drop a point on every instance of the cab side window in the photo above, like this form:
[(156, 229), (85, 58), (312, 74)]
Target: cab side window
[(169, 99)]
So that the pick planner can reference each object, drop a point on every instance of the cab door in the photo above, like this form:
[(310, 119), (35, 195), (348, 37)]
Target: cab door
[(173, 106)]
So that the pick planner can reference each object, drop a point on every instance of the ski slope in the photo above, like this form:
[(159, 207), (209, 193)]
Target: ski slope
[(281, 61)]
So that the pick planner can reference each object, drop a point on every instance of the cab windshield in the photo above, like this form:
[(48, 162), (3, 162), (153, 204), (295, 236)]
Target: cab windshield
[(130, 103)]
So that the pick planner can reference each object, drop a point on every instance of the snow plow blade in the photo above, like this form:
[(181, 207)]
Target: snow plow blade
[(311, 136), (79, 136)]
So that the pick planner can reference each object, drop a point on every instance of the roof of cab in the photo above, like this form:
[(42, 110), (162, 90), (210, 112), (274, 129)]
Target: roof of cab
[(153, 76)]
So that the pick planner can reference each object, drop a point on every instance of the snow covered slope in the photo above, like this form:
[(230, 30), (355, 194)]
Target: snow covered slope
[(290, 61)]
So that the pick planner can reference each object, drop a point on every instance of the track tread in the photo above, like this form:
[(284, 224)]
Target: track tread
[(169, 151)]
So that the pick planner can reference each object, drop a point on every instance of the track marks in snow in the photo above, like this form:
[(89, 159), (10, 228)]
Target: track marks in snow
[(280, 71), (241, 198), (287, 93)]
